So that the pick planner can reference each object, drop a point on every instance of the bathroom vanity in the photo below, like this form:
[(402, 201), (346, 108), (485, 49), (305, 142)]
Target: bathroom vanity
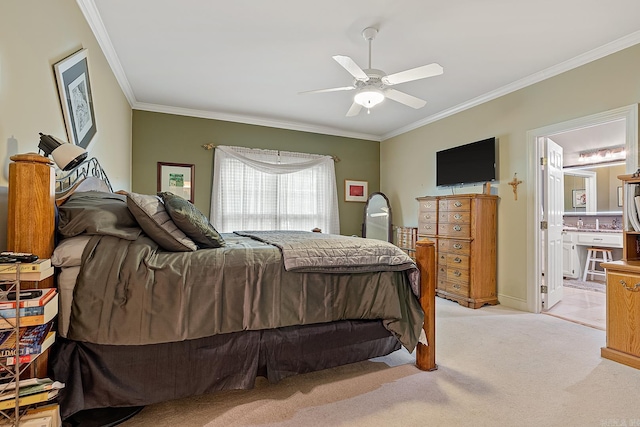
[(576, 242)]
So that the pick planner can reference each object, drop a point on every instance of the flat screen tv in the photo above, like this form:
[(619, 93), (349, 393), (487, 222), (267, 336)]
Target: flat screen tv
[(467, 164)]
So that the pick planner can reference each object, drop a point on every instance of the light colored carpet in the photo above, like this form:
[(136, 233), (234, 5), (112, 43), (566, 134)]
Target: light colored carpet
[(497, 367)]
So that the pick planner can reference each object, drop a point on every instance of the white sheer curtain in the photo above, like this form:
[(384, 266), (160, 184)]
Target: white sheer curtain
[(273, 190)]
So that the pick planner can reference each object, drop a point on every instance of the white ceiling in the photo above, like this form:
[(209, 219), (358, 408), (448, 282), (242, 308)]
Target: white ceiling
[(247, 61)]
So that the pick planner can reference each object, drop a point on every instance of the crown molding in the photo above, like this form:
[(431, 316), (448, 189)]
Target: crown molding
[(91, 14), (590, 56), (259, 121)]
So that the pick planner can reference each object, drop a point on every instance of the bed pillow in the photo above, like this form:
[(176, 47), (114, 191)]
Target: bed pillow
[(156, 223), (68, 253), (191, 221), (97, 212)]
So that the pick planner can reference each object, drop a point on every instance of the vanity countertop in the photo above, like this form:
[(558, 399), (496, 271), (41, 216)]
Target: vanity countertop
[(592, 230)]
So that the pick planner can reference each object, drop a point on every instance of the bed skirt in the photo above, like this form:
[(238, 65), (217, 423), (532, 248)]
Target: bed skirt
[(101, 376)]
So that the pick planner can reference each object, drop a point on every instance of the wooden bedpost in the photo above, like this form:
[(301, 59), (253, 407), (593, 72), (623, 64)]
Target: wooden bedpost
[(426, 260), (31, 213)]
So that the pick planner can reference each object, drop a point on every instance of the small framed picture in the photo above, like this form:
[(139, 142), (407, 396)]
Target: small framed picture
[(177, 178), (579, 198), (620, 196), (355, 191), (74, 88)]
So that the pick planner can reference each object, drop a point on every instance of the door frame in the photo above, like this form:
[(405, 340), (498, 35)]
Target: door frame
[(534, 200)]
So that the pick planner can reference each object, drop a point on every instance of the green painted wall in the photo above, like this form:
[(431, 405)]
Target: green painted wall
[(159, 137)]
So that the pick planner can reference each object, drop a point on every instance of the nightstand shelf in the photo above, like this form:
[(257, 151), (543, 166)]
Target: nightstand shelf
[(13, 371)]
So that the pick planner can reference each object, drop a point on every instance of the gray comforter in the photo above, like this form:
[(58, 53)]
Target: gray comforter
[(130, 292)]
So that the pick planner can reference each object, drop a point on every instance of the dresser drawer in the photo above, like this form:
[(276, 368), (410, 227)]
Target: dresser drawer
[(455, 217), (623, 312), (455, 274), (428, 228), (428, 205), (427, 216), (457, 261), (455, 205), (461, 289), (442, 258), (454, 230), (459, 247)]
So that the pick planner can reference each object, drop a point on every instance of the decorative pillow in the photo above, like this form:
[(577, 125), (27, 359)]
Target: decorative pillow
[(156, 223), (190, 220), (97, 212)]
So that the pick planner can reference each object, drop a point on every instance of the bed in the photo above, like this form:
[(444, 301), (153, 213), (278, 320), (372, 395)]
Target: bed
[(142, 322)]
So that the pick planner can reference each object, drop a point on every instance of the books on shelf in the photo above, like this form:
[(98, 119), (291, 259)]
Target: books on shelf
[(26, 267), (28, 358), (31, 276), (30, 399), (40, 385), (45, 295), (45, 415), (50, 309), (31, 340)]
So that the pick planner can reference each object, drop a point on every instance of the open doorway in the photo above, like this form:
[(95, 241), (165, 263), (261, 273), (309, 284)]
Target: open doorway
[(546, 262)]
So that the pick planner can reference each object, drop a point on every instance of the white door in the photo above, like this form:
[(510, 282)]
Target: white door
[(553, 209)]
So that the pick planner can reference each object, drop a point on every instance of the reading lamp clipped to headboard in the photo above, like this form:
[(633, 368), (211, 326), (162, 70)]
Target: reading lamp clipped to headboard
[(71, 159), (66, 156)]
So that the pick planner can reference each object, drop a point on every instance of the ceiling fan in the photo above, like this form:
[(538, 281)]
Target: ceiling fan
[(372, 86)]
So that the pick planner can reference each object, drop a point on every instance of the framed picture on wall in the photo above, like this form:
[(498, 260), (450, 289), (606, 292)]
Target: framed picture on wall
[(74, 89), (177, 178), (355, 191), (579, 198)]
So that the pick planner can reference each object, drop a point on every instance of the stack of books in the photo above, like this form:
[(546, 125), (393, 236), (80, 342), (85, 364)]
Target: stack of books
[(30, 391), (28, 344), (37, 306), (29, 271)]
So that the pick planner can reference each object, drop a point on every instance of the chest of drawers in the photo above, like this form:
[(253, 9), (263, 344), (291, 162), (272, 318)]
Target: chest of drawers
[(464, 229)]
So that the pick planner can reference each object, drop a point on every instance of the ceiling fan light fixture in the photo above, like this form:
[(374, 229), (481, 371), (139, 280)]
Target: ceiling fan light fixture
[(369, 97)]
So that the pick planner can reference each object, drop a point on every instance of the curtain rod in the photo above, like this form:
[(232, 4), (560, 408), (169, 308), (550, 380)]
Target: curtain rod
[(211, 146)]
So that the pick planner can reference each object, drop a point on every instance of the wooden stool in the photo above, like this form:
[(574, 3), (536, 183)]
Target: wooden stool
[(593, 258)]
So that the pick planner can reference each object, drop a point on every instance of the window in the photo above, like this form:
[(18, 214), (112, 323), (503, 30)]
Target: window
[(273, 190)]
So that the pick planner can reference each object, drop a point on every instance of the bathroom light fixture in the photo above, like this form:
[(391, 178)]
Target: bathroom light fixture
[(65, 155), (602, 155), (369, 97)]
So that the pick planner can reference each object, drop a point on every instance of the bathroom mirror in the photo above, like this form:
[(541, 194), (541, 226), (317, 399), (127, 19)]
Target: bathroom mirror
[(377, 218), (599, 186)]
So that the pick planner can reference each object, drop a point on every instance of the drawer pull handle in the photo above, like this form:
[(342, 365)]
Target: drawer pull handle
[(597, 238), (634, 288), (442, 270), (457, 228), (457, 259), (457, 246), (443, 257), (427, 217), (457, 204), (457, 273), (456, 287), (457, 216)]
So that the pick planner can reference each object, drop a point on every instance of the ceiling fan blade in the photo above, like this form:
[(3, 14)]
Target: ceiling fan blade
[(354, 110), (333, 89), (353, 68), (413, 74), (404, 98)]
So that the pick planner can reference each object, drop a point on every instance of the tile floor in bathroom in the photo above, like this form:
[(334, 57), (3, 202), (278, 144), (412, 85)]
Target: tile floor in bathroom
[(581, 306)]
